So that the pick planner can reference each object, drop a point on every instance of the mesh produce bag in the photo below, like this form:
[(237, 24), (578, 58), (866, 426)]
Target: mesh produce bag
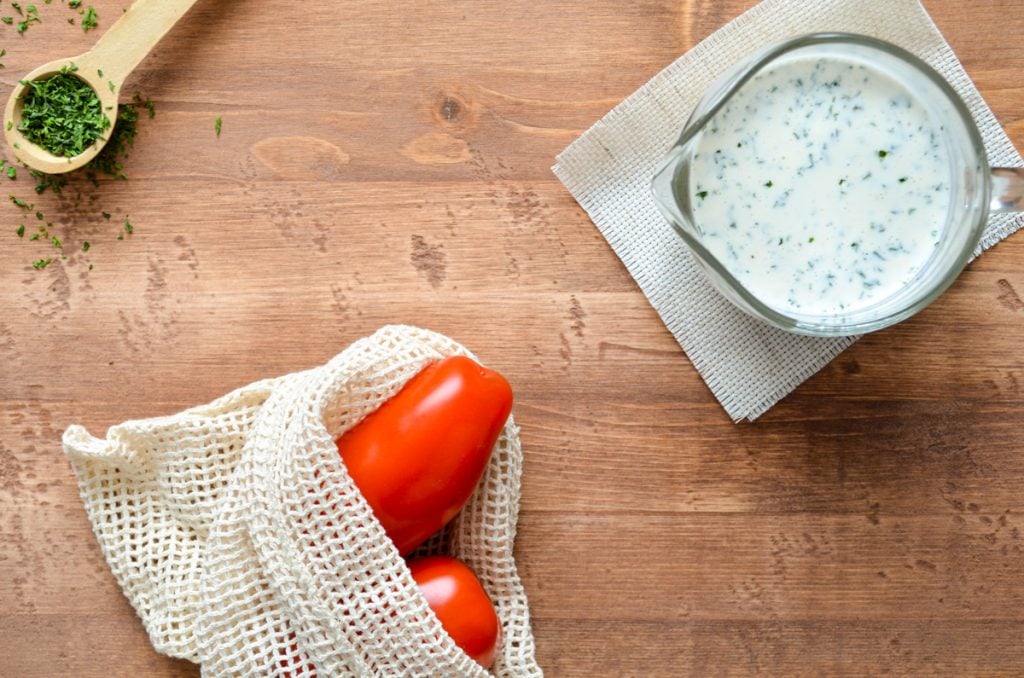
[(238, 536)]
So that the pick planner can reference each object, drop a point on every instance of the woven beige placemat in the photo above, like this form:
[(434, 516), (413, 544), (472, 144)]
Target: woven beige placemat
[(748, 365)]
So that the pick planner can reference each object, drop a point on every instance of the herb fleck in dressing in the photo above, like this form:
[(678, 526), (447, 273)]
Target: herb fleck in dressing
[(821, 185)]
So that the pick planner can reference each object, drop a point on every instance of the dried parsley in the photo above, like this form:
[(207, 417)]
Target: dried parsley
[(90, 19), (62, 114), (31, 15), (147, 104), (216, 126), (121, 139)]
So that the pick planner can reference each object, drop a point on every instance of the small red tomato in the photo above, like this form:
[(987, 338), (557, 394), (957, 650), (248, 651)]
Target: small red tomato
[(461, 604), (420, 455)]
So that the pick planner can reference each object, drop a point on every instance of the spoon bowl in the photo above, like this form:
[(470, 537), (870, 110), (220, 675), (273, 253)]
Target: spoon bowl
[(37, 157)]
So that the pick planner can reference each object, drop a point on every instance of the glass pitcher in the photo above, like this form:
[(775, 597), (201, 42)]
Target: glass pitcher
[(975, 189)]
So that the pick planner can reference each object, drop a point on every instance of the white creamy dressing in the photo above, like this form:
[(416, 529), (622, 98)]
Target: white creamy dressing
[(822, 185)]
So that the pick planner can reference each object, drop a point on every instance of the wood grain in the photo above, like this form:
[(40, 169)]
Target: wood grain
[(380, 166)]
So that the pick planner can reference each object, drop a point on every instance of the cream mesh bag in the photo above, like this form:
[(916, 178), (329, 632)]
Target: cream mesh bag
[(236, 533)]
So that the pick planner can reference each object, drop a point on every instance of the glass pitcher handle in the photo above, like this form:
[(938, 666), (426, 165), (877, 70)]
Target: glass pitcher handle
[(1007, 189)]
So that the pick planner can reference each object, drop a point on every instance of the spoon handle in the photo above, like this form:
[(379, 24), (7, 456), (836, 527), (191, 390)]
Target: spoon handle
[(1007, 189), (131, 38)]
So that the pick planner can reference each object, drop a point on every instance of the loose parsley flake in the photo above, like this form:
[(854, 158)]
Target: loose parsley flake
[(90, 19), (217, 125), (882, 154), (31, 17)]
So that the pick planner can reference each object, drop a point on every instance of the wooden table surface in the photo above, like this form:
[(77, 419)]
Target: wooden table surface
[(390, 163)]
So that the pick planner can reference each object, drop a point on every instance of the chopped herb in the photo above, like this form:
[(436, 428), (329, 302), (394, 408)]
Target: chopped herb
[(842, 181), (121, 139), (56, 242), (811, 239), (106, 215), (99, 72), (147, 104), (31, 16), (216, 126), (21, 231), (62, 114), (39, 216), (128, 227), (41, 264), (90, 20), (702, 195), (74, 4), (882, 154), (86, 246), (769, 183), (110, 84), (903, 180), (7, 19), (54, 182)]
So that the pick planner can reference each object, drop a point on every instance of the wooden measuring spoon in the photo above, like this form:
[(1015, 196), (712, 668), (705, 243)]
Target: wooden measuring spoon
[(104, 68)]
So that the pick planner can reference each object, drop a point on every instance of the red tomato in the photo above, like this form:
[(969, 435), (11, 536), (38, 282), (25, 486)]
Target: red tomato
[(461, 604), (418, 457)]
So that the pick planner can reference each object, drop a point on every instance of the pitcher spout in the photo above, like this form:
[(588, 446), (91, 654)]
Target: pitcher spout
[(669, 187)]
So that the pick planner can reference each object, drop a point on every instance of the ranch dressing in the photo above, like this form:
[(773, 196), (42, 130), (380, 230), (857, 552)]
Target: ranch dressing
[(822, 185)]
